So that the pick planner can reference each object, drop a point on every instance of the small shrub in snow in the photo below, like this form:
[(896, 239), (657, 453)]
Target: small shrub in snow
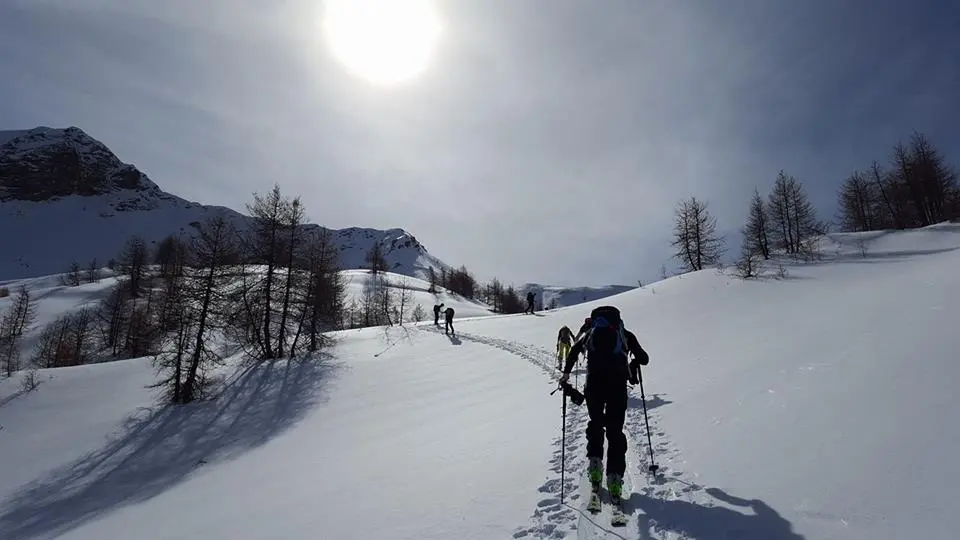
[(747, 265), (782, 271), (862, 247), (29, 381), (419, 313)]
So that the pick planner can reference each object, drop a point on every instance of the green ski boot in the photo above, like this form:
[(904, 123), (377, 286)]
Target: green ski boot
[(595, 472), (615, 486)]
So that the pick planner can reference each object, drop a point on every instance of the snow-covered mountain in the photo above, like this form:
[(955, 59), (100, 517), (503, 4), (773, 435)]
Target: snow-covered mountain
[(820, 405), (65, 197)]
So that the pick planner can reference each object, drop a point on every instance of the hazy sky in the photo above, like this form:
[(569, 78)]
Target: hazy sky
[(547, 140)]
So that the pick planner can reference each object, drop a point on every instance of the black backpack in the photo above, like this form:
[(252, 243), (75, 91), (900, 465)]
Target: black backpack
[(606, 337)]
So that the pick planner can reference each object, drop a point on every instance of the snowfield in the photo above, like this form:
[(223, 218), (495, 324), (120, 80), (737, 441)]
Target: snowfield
[(818, 406)]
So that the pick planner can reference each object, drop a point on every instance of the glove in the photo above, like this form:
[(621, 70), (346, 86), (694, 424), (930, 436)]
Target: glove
[(635, 371), (565, 377)]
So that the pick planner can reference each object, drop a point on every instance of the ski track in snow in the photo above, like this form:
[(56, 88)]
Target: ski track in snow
[(555, 520)]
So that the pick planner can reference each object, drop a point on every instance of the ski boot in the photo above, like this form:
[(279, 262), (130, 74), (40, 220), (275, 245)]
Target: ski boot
[(615, 486), (595, 472)]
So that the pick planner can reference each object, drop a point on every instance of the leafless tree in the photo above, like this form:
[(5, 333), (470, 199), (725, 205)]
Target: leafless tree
[(265, 246), (133, 262), (493, 295), (67, 341), (748, 263), (205, 286), (928, 180), (792, 216), (697, 243), (432, 278), (13, 323), (859, 204), (92, 274), (292, 221), (376, 259), (324, 298), (404, 297), (462, 282), (170, 256), (112, 318), (756, 233), (175, 348), (72, 277), (511, 301), (884, 184)]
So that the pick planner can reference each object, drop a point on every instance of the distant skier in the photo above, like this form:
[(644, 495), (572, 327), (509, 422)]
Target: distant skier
[(607, 344), (436, 314), (448, 321), (530, 298), (564, 339)]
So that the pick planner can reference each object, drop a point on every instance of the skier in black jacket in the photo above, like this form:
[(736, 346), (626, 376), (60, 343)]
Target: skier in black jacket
[(607, 345), (436, 314), (448, 321)]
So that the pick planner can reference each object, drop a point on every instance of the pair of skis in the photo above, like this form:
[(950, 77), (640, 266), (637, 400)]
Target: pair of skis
[(595, 505)]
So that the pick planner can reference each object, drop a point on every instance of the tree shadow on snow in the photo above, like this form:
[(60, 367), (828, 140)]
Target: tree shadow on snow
[(160, 447), (714, 522)]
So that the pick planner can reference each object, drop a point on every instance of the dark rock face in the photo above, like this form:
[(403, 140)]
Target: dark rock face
[(43, 164)]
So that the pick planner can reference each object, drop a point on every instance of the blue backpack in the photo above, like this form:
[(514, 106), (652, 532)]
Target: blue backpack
[(606, 337)]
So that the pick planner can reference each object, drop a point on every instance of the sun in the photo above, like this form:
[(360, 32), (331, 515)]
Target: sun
[(383, 41)]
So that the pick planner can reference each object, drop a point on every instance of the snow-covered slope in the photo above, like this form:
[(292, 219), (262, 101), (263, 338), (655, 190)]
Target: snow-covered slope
[(66, 197), (819, 406), (52, 299), (552, 296), (418, 291)]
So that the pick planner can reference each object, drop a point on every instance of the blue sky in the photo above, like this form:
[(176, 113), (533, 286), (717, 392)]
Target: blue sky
[(548, 140)]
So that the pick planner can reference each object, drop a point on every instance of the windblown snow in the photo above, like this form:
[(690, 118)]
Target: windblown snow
[(817, 406)]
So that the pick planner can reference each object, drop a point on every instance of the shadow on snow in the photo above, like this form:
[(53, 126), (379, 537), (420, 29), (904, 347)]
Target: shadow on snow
[(160, 447), (713, 522), (653, 401)]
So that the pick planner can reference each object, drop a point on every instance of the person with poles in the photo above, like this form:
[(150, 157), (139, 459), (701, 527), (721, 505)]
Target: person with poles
[(564, 339), (531, 296), (607, 344), (448, 321)]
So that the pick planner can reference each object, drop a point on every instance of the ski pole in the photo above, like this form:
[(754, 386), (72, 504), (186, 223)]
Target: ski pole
[(653, 466), (563, 446), (563, 440)]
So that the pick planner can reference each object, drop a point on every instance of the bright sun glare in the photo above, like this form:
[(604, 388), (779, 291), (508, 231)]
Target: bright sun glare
[(383, 41)]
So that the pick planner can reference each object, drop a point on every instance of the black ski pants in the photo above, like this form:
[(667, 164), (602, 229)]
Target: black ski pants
[(607, 406), (448, 325)]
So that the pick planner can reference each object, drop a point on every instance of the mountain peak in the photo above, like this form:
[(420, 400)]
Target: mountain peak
[(46, 163)]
